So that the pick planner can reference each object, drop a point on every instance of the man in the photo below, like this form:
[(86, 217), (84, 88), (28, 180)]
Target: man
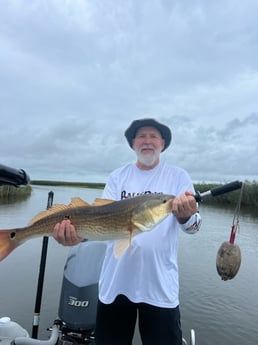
[(143, 282)]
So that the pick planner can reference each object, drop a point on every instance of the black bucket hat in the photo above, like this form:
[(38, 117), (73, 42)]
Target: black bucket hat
[(135, 125)]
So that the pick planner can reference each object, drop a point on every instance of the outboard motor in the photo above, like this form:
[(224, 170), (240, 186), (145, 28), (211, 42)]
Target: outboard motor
[(79, 292)]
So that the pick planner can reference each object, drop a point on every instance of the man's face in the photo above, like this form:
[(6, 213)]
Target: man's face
[(148, 143)]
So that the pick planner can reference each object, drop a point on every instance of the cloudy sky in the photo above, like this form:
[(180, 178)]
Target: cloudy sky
[(75, 73)]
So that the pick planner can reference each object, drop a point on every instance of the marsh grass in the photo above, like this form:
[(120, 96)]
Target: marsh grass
[(9, 194), (69, 184), (249, 194)]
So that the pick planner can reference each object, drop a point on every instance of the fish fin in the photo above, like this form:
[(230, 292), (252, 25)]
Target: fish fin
[(100, 202), (121, 246), (52, 210), (78, 202), (75, 202), (7, 243)]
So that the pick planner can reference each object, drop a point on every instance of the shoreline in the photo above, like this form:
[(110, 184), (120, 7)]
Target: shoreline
[(96, 185)]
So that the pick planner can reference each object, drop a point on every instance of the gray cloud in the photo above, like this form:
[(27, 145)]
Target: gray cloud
[(75, 74)]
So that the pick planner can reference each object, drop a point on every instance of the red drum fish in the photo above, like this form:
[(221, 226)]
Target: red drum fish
[(104, 220)]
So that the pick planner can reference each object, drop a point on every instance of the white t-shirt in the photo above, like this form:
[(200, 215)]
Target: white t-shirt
[(148, 271)]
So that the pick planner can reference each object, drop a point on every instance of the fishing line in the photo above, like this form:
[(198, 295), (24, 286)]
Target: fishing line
[(236, 221)]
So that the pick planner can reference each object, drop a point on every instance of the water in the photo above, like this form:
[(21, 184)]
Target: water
[(219, 312)]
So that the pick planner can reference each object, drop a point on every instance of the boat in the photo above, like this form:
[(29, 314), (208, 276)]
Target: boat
[(75, 322)]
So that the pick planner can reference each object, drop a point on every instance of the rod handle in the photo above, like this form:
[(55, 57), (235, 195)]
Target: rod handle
[(226, 188)]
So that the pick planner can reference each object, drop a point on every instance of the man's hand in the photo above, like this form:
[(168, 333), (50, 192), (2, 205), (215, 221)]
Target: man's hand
[(184, 206), (66, 234)]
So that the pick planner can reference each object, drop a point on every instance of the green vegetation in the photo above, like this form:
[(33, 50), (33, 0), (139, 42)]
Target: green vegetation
[(69, 184), (249, 196), (12, 194)]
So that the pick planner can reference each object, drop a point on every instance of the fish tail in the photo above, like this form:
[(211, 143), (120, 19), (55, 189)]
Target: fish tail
[(7, 243)]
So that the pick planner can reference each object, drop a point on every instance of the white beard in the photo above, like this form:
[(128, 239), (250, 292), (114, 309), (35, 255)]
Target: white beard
[(147, 160)]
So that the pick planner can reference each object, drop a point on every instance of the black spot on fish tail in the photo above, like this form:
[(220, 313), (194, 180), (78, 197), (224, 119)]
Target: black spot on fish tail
[(12, 234)]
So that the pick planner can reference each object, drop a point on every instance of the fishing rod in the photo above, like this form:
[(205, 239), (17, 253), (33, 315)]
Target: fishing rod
[(226, 188), (41, 276)]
